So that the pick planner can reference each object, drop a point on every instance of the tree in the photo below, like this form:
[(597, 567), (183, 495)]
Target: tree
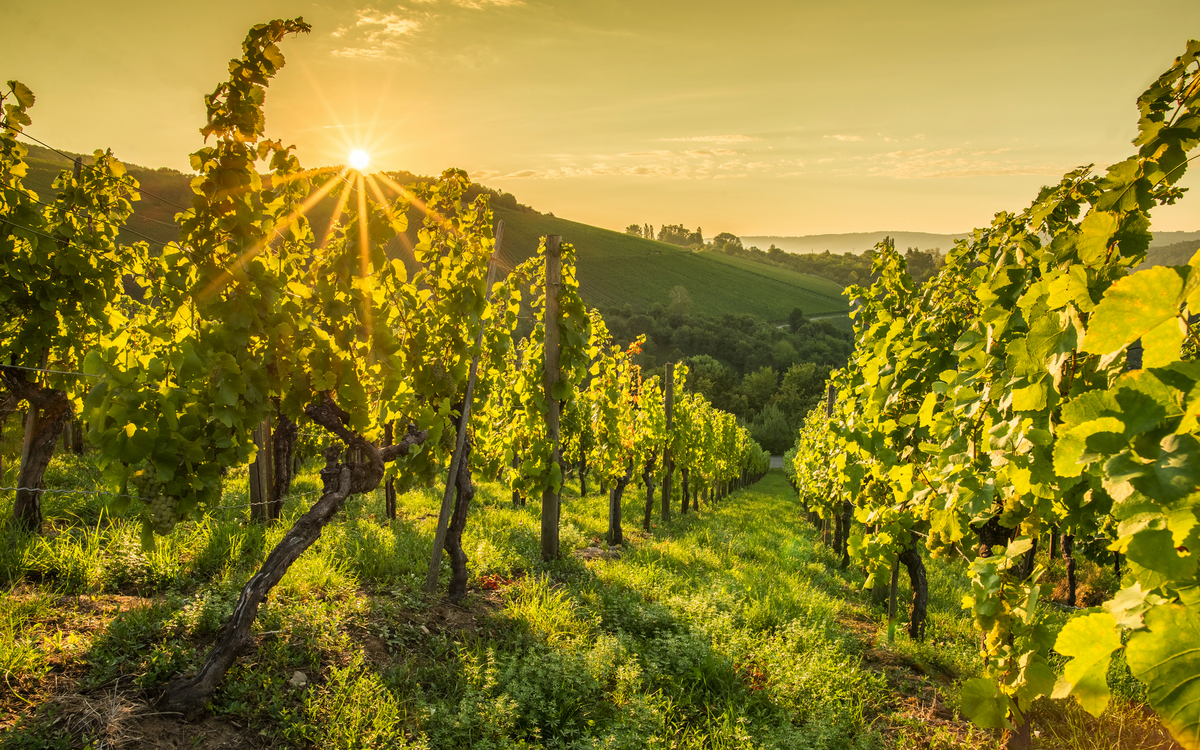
[(796, 319), (801, 390), (717, 383), (675, 234), (634, 229), (759, 386), (724, 241), (784, 355), (922, 264), (681, 301), (772, 430)]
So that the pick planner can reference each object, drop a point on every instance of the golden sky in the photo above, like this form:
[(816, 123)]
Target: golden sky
[(751, 117)]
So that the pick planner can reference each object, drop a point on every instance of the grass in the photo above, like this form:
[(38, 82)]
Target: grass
[(615, 269), (732, 628)]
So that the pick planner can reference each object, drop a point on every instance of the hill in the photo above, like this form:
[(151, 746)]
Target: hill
[(853, 242), (165, 192), (1175, 254), (615, 269), (857, 242)]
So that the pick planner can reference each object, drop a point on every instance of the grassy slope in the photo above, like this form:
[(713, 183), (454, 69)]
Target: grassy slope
[(731, 629), (616, 268), (1177, 254), (154, 217)]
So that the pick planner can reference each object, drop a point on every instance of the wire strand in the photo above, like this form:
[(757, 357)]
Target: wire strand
[(139, 497), (89, 217), (51, 188), (72, 158), (53, 372), (88, 250)]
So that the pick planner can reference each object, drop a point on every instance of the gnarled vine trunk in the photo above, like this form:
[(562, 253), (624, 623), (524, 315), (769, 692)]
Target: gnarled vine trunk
[(648, 480), (992, 534), (464, 492), (614, 506), (49, 412), (683, 487), (1029, 560), (911, 559), (189, 695), (1068, 553)]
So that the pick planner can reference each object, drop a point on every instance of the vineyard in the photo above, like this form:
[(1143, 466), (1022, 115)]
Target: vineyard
[(1035, 399), (272, 487), (252, 343)]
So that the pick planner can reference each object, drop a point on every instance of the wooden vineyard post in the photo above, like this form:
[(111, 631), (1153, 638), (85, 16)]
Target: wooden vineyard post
[(31, 507), (550, 498), (892, 602), (389, 488), (516, 494), (31, 418), (460, 439), (262, 478), (550, 379), (668, 459)]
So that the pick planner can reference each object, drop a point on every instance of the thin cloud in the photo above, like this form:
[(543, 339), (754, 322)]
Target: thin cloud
[(375, 35), (922, 164), (384, 35), (480, 4), (601, 169), (845, 137), (714, 139), (712, 152)]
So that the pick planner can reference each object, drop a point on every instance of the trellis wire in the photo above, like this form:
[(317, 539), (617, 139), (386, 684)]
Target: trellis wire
[(139, 497)]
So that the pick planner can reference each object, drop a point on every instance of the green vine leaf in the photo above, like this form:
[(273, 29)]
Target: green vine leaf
[(1090, 641), (1166, 656)]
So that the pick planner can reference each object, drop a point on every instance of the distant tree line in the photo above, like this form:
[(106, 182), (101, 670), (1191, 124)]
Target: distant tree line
[(769, 376), (845, 269), (675, 234)]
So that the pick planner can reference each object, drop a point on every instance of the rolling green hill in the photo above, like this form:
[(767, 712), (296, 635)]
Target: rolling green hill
[(615, 269), (1176, 254)]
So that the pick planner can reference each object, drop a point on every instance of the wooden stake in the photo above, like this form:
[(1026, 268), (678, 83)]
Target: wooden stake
[(668, 462), (550, 498), (31, 419), (439, 539), (262, 475), (892, 602), (389, 488)]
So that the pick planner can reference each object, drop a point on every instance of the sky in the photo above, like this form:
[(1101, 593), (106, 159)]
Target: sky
[(751, 117)]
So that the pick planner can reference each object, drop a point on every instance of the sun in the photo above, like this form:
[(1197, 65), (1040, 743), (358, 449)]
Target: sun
[(360, 159)]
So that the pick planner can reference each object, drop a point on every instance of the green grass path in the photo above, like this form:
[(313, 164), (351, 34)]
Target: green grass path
[(730, 628)]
